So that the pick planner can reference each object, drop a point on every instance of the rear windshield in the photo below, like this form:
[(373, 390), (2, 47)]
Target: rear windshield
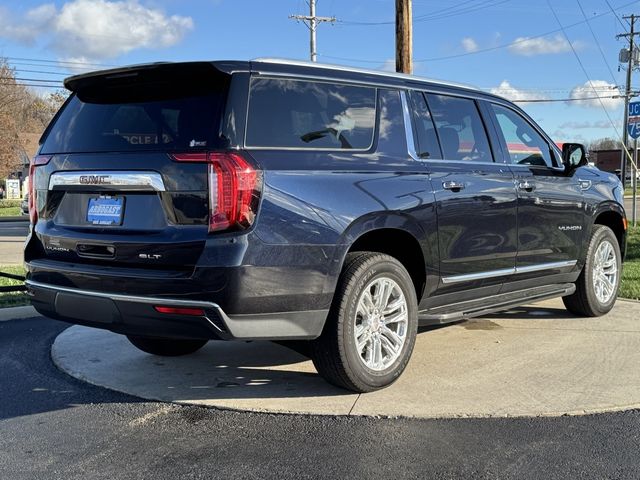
[(139, 117)]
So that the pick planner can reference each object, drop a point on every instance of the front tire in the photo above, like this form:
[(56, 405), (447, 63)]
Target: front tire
[(597, 285), (166, 347), (372, 325)]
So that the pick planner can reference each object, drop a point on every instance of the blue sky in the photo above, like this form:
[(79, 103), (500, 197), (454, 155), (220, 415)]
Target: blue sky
[(468, 41)]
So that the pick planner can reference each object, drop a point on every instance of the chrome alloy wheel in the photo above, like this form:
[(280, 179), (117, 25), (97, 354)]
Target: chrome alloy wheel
[(605, 272), (381, 322)]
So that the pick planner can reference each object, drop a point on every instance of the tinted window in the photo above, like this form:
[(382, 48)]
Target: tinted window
[(460, 128), (302, 114), (392, 137), (524, 144), (134, 122), (425, 130)]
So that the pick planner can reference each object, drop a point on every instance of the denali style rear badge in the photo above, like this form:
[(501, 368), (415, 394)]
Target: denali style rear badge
[(95, 179)]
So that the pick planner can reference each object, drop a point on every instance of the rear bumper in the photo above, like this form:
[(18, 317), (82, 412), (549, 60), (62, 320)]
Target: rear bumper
[(135, 315)]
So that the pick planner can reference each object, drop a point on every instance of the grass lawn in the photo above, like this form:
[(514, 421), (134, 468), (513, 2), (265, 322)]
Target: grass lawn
[(630, 286), (12, 299), (10, 212)]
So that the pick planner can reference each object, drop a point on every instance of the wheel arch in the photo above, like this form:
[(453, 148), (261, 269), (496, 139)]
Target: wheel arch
[(613, 216), (399, 236)]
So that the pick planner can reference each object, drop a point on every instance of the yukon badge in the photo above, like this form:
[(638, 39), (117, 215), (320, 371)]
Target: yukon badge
[(569, 228)]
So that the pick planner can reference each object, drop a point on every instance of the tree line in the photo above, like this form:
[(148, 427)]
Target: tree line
[(24, 112)]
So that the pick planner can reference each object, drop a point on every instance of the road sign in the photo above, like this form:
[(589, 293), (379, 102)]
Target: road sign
[(633, 119)]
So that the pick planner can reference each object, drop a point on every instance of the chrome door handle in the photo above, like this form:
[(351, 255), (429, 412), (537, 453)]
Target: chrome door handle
[(453, 185), (527, 186)]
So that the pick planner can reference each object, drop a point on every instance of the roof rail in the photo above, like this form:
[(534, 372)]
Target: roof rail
[(346, 68)]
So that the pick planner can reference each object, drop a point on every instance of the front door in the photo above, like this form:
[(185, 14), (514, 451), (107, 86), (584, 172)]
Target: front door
[(550, 203)]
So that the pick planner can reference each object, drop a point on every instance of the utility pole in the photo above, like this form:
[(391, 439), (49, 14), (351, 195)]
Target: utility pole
[(404, 41), (312, 21), (627, 93)]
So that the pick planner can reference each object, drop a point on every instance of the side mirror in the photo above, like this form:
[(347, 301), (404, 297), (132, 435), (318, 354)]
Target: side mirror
[(574, 155)]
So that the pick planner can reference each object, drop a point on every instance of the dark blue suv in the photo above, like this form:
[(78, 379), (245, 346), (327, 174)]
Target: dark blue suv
[(181, 202)]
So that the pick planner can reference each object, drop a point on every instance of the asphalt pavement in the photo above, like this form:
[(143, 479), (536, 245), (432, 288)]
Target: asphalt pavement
[(54, 426)]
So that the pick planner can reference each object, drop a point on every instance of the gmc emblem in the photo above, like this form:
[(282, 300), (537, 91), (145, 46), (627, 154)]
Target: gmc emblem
[(94, 179)]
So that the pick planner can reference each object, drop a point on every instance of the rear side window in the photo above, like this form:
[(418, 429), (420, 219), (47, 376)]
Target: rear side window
[(302, 114), (142, 118), (460, 128), (425, 130)]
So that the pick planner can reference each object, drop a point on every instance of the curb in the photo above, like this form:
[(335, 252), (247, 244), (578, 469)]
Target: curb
[(21, 218), (18, 313)]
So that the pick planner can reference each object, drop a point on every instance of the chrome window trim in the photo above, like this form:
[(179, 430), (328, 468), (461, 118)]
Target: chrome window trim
[(507, 271), (120, 178), (408, 127)]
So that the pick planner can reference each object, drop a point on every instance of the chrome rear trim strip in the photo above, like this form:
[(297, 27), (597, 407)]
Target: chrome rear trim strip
[(104, 179), (469, 277)]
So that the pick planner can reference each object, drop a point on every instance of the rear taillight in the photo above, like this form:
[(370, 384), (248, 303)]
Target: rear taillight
[(37, 161), (234, 188)]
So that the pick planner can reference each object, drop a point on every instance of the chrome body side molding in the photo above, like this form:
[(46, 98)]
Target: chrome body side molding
[(507, 271)]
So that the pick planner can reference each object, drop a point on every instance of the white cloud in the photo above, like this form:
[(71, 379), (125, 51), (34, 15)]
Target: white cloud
[(586, 92), (469, 44), (505, 89), (541, 46), (389, 65), (96, 29), (586, 124)]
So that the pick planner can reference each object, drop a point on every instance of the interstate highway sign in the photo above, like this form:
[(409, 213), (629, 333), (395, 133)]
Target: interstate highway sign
[(633, 120)]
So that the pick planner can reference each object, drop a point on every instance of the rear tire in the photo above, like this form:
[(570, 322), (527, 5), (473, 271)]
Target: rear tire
[(597, 285), (372, 325), (166, 347)]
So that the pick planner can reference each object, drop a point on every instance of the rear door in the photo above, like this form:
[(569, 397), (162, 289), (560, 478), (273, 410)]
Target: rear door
[(475, 196), (550, 203)]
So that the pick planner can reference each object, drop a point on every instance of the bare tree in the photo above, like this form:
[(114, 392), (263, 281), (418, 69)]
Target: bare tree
[(22, 112)]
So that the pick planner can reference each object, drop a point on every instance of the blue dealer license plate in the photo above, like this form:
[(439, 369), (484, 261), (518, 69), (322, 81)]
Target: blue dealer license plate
[(105, 210)]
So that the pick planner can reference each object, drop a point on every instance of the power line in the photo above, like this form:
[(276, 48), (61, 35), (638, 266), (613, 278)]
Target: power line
[(584, 70), (60, 62), (551, 100), (595, 39), (488, 49), (39, 71), (435, 15), (57, 87), (31, 80)]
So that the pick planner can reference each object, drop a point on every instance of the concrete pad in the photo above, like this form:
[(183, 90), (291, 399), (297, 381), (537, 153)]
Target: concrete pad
[(530, 361), (11, 250), (17, 313)]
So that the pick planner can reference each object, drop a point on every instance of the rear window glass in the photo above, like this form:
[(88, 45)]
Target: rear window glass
[(137, 120), (302, 114)]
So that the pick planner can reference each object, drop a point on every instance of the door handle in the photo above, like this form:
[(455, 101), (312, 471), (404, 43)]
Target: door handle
[(453, 186), (527, 186)]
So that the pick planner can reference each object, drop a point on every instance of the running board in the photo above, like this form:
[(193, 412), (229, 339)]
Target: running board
[(495, 303)]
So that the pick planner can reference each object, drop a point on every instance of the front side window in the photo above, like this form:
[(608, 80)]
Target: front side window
[(524, 144), (460, 129), (289, 113)]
